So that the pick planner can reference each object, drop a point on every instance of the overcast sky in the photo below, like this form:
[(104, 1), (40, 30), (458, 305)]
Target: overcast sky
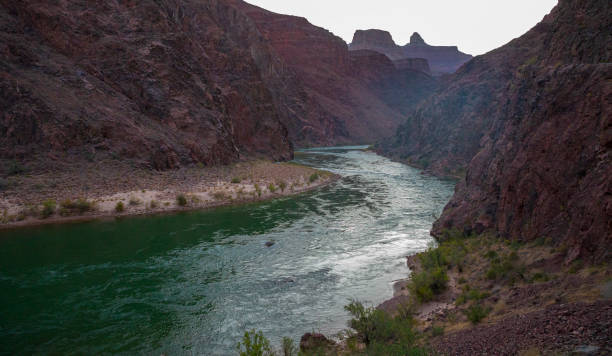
[(476, 26)]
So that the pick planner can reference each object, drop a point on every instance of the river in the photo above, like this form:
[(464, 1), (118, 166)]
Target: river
[(192, 283)]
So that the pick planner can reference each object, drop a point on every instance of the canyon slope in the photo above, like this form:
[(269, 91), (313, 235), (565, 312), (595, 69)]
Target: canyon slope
[(351, 97), (438, 59), (163, 84), (529, 128)]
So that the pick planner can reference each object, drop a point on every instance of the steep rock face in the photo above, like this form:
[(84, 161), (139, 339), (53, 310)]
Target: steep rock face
[(440, 59), (534, 121), (420, 64), (162, 83), (341, 106)]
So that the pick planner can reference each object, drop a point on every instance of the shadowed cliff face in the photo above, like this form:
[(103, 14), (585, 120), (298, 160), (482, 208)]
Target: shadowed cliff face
[(163, 83), (175, 82), (532, 123), (345, 103)]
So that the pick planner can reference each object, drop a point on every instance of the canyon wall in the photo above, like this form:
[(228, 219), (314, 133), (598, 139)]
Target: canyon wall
[(529, 128), (179, 82), (160, 83)]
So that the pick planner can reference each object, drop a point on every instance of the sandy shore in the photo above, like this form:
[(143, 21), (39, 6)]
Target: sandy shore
[(102, 192)]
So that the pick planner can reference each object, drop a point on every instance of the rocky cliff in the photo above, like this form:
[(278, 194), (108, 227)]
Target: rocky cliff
[(341, 105), (162, 83), (440, 59), (178, 82), (532, 124)]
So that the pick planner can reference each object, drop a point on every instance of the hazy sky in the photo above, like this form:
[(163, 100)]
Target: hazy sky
[(476, 26)]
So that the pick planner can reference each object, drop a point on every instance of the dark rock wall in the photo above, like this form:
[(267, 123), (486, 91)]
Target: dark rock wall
[(532, 123)]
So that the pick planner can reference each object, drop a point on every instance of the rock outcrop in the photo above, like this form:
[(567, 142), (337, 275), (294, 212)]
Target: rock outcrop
[(162, 83), (440, 59), (342, 106), (178, 82), (532, 123)]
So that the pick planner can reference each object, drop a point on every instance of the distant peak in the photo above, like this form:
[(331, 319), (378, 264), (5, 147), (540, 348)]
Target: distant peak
[(373, 37), (416, 39)]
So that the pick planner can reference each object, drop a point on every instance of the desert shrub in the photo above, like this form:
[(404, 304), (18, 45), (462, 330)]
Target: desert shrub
[(258, 189), (289, 348), (153, 204), (282, 185), (254, 343), (437, 331), (539, 277), (220, 196), (381, 333), (80, 206), (48, 208), (271, 188), (235, 180), (506, 268), (181, 200), (119, 207), (429, 283), (134, 201), (313, 177), (476, 313), (433, 258)]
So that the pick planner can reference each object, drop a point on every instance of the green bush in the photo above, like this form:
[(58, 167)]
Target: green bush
[(181, 200), (258, 189), (154, 204), (289, 348), (254, 344), (437, 331), (271, 188), (134, 201), (235, 180), (48, 208), (429, 283), (313, 177), (81, 206), (381, 333), (282, 185), (476, 313), (119, 207)]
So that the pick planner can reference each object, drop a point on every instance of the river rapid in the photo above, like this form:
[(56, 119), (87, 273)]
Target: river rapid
[(192, 283)]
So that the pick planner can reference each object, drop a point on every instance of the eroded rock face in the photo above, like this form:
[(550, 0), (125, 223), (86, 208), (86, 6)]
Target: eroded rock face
[(532, 123), (345, 102), (162, 83), (440, 59)]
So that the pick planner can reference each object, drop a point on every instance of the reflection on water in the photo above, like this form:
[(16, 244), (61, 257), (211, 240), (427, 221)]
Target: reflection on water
[(193, 282)]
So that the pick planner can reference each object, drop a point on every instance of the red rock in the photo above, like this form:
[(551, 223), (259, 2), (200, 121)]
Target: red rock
[(530, 121)]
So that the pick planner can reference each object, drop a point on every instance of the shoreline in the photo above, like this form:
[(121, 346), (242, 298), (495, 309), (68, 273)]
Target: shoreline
[(267, 181)]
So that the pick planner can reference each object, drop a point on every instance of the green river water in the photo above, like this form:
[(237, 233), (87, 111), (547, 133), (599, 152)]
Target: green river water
[(192, 283)]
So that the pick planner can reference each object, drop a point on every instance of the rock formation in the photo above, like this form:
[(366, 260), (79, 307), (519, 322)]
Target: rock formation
[(532, 124), (161, 83), (441, 59), (174, 82), (341, 106)]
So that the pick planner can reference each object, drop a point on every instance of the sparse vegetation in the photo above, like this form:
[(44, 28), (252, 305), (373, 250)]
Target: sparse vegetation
[(153, 204), (236, 180), (271, 187), (254, 343), (181, 200), (15, 167), (119, 207), (476, 313), (220, 196), (258, 189), (48, 208), (313, 177), (282, 185), (78, 207), (134, 201), (381, 333)]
